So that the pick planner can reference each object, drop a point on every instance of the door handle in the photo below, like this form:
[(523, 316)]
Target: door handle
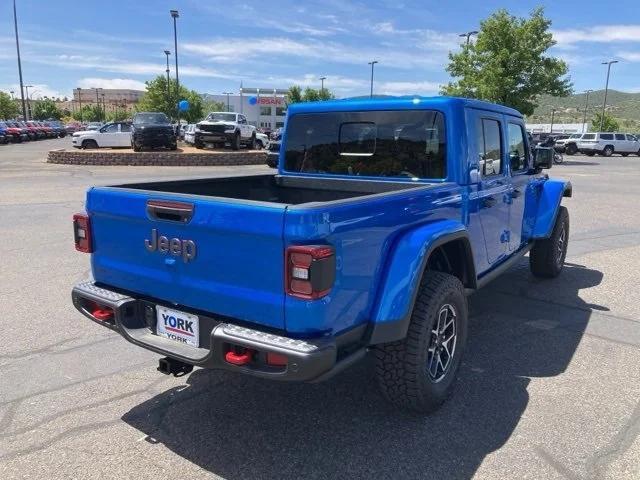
[(489, 202), (170, 211), (516, 193)]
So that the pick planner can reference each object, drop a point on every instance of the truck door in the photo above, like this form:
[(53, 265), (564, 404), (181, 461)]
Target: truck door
[(493, 184), (519, 158)]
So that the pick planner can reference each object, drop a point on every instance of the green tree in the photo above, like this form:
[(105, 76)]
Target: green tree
[(90, 113), (8, 108), (507, 63), (609, 124), (157, 99), (46, 109), (297, 95)]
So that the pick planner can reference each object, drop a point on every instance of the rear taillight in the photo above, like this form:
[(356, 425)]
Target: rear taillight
[(82, 232), (310, 271)]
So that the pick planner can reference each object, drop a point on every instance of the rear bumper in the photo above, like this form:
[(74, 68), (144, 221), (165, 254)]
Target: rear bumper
[(134, 319)]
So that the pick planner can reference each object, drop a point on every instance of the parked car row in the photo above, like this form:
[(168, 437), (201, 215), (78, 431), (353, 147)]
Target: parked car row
[(17, 131), (592, 143)]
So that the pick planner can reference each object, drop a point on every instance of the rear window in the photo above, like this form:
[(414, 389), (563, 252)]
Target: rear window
[(376, 143), (606, 136)]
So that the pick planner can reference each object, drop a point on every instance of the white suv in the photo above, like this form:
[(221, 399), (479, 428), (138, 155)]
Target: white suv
[(117, 134), (608, 143), (569, 145)]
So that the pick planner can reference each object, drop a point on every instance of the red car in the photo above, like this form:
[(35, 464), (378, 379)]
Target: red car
[(16, 134)]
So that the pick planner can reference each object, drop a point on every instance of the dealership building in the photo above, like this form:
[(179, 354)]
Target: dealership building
[(263, 107)]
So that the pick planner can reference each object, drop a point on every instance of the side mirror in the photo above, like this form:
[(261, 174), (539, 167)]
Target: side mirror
[(542, 157)]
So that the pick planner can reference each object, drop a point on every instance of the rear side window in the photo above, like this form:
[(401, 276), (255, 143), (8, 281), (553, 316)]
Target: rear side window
[(517, 151), (606, 136), (372, 143), (620, 136), (490, 147)]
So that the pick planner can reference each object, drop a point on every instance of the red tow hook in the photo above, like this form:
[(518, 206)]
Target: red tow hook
[(102, 314), (238, 358)]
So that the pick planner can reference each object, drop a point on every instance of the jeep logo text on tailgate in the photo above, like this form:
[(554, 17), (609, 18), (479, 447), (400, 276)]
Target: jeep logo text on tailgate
[(176, 246)]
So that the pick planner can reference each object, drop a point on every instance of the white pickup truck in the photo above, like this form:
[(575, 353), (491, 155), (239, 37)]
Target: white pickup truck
[(225, 127), (113, 135)]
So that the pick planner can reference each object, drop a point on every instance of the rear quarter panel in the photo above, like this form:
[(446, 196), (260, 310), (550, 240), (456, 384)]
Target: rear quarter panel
[(363, 234)]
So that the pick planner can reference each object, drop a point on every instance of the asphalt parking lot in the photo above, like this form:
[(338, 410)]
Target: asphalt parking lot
[(549, 388)]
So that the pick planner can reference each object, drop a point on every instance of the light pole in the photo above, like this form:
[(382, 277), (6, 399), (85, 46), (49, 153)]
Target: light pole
[(175, 15), (80, 102), (553, 116), (28, 110), (606, 89), (15, 26), (322, 79), (227, 94), (167, 53), (468, 35), (104, 108), (372, 63), (586, 106)]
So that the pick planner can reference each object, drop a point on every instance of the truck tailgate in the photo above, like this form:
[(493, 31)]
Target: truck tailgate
[(233, 267)]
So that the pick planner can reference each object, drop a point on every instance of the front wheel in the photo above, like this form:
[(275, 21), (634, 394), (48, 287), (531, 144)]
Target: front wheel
[(418, 372), (252, 143), (546, 258), (235, 143), (571, 149), (557, 158), (608, 151)]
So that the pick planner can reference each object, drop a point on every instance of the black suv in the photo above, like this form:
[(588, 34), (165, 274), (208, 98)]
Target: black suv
[(152, 129)]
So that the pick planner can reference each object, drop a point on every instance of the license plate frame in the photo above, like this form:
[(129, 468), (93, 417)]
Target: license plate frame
[(178, 326)]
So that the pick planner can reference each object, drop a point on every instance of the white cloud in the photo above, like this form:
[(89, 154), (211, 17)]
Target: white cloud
[(600, 34), (407, 88), (116, 83), (37, 91), (629, 56)]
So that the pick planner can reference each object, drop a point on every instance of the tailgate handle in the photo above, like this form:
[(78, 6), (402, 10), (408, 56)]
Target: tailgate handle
[(170, 211)]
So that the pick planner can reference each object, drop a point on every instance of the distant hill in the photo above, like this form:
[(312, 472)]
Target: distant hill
[(621, 105)]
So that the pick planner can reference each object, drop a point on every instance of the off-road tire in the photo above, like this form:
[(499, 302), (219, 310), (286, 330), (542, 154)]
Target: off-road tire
[(607, 151), (235, 143), (402, 366), (89, 144), (546, 258), (571, 149)]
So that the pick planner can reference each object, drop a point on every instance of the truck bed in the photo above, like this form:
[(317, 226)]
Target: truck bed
[(275, 188)]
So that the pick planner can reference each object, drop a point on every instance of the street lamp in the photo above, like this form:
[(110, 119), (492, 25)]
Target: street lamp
[(227, 94), (167, 53), (27, 117), (104, 109), (175, 15), (586, 106), (553, 116), (322, 79), (468, 35), (606, 89), (15, 26), (80, 102), (372, 63)]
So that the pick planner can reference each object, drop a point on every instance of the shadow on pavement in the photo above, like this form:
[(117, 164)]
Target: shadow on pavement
[(242, 428), (578, 162)]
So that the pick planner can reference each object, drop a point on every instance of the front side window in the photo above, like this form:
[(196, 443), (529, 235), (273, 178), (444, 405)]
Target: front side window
[(125, 127), (111, 128), (490, 147), (620, 136), (632, 138), (370, 143), (517, 150)]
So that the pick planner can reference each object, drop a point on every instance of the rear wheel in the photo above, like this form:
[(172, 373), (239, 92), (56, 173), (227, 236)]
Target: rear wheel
[(608, 151), (547, 255), (418, 372)]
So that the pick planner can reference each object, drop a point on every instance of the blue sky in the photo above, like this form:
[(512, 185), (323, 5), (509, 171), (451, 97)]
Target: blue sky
[(66, 44)]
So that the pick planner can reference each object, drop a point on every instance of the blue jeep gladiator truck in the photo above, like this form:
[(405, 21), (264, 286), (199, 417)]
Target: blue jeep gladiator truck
[(383, 216)]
